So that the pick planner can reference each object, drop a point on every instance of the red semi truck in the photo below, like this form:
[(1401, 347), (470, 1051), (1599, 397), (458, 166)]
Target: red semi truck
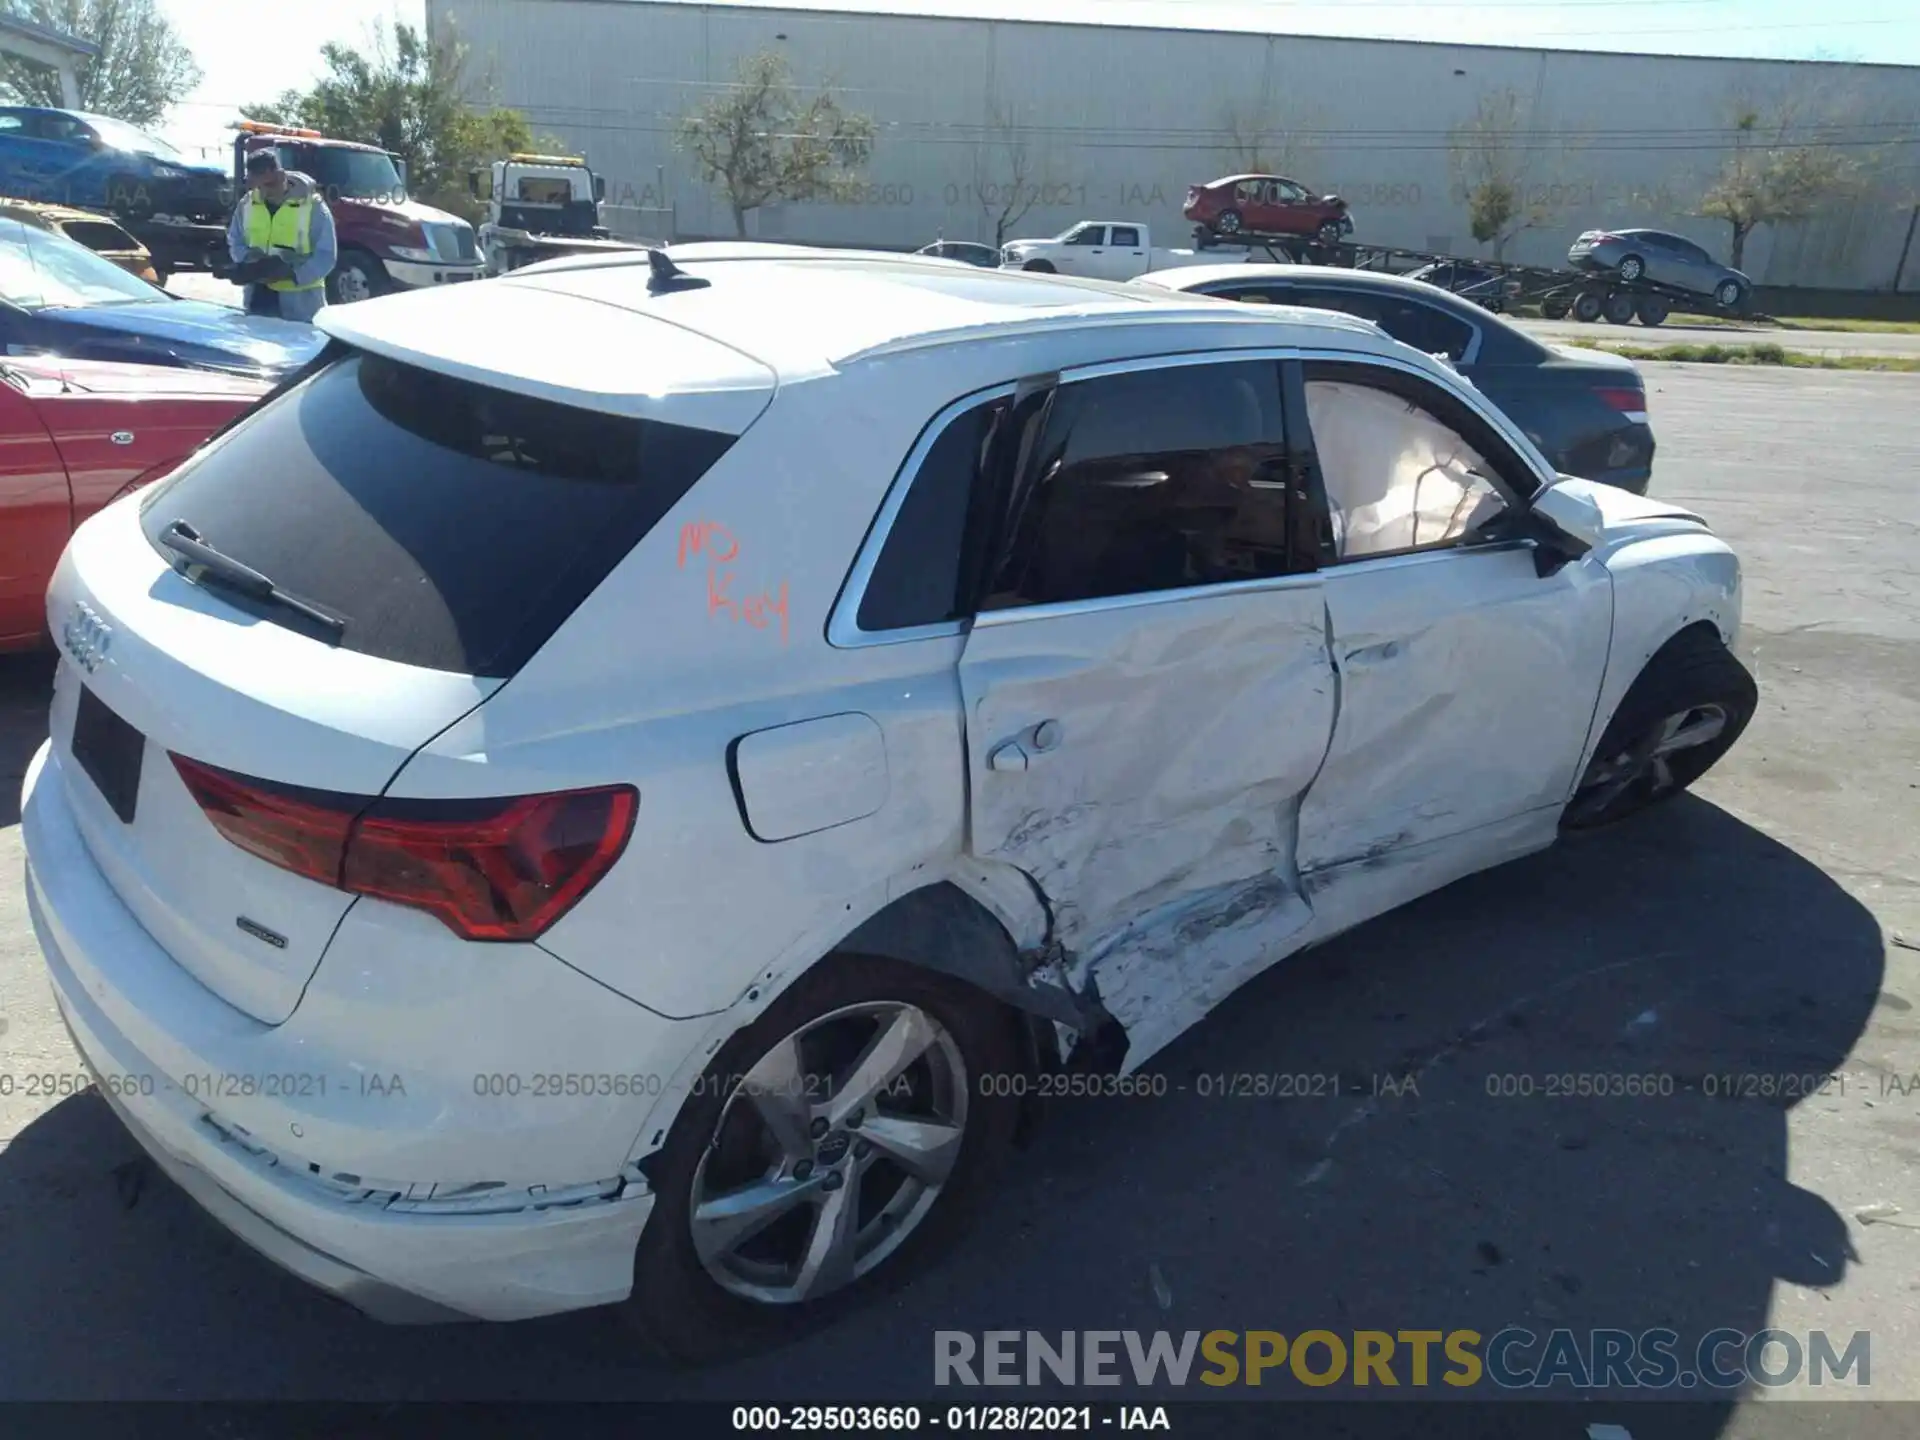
[(387, 241)]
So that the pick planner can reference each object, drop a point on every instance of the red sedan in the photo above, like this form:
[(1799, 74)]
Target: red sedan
[(1267, 205), (76, 434)]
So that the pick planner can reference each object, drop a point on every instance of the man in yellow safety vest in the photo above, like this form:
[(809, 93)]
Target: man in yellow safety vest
[(281, 239)]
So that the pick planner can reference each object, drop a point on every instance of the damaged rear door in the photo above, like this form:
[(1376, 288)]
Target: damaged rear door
[(1148, 688)]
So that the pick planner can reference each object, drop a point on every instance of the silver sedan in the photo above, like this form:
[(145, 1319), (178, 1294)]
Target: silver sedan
[(1665, 259)]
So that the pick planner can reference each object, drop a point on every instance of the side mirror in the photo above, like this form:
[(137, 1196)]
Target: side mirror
[(1564, 524), (599, 188)]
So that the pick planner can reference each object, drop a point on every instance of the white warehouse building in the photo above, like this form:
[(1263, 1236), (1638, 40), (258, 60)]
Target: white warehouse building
[(976, 117)]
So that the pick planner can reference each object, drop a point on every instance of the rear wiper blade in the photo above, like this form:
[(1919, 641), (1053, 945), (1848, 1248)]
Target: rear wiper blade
[(185, 541)]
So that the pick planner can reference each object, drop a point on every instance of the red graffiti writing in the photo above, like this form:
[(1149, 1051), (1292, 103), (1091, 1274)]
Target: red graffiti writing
[(721, 549)]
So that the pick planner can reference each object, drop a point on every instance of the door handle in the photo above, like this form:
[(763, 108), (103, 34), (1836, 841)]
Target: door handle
[(1009, 756), (1012, 755)]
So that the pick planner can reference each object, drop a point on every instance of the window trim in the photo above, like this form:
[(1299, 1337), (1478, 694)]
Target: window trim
[(843, 628), (843, 621), (1017, 614)]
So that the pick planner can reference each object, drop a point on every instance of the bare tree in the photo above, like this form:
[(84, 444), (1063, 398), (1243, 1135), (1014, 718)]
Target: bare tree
[(1006, 188), (1257, 139), (760, 141), (1784, 165), (1490, 155)]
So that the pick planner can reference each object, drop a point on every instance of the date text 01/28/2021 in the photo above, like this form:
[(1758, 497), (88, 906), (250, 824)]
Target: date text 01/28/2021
[(911, 1419)]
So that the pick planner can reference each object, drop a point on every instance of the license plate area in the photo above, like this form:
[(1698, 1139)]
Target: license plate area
[(110, 751)]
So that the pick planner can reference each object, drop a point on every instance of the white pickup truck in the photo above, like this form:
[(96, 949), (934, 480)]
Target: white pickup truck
[(1107, 250)]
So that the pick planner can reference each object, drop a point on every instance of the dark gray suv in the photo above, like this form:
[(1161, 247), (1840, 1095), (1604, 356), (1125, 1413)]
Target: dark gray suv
[(1586, 410)]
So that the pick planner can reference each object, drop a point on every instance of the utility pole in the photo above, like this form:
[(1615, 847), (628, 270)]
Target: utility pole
[(1900, 270)]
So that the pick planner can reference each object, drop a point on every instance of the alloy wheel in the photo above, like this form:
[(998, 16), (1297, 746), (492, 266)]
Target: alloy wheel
[(351, 284), (829, 1152), (1643, 769)]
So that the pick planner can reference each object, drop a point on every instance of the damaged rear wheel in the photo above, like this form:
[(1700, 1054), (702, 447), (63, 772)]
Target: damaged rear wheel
[(1683, 713), (832, 1145)]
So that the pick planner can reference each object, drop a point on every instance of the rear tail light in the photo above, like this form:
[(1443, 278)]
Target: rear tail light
[(501, 868), (1629, 402)]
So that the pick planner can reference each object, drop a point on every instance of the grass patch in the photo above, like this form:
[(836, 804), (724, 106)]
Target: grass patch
[(1765, 353), (1858, 327)]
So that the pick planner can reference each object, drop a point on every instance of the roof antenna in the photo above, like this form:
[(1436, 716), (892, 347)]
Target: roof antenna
[(668, 276)]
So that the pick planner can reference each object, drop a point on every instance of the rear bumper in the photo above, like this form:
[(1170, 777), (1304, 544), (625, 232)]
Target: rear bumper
[(381, 1251), (421, 275)]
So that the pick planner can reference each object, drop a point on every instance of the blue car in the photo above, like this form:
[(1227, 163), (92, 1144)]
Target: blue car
[(94, 162), (57, 297)]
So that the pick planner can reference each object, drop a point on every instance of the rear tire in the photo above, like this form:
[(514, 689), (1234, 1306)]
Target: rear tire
[(1587, 307), (1555, 307), (1686, 709), (1228, 222), (687, 1300), (1618, 308), (1040, 267), (1653, 310), (1632, 268)]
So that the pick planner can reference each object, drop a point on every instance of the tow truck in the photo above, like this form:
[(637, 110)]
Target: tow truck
[(540, 207), (387, 241)]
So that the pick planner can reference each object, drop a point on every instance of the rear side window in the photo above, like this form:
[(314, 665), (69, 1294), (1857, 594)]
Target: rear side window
[(916, 580), (450, 525), (1152, 480), (1427, 328), (98, 235)]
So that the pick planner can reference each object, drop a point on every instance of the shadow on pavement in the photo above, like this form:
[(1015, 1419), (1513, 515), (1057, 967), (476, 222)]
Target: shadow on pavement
[(26, 687), (1685, 945)]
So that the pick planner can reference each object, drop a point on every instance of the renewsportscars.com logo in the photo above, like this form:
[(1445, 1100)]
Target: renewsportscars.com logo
[(1510, 1359)]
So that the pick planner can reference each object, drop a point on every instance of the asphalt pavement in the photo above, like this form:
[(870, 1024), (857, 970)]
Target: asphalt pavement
[(1764, 930)]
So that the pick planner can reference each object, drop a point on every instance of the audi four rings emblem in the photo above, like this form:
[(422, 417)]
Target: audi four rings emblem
[(87, 637)]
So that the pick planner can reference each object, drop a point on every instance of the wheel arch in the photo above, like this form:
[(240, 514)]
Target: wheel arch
[(985, 925), (1662, 587)]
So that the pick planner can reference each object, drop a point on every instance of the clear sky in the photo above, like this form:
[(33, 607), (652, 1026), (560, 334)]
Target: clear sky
[(253, 51)]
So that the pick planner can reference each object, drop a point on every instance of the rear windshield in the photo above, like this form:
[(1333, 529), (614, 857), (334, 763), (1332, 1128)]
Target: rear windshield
[(449, 525)]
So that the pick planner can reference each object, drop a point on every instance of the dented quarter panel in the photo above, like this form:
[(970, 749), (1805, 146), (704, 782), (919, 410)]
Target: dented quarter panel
[(1160, 822), (1467, 684), (1665, 578)]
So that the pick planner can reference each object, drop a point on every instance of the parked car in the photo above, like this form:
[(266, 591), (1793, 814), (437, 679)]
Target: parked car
[(1485, 286), (1100, 250), (1585, 409), (175, 206), (99, 233), (1267, 205), (970, 251), (615, 648), (75, 435), (60, 298), (1654, 255)]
